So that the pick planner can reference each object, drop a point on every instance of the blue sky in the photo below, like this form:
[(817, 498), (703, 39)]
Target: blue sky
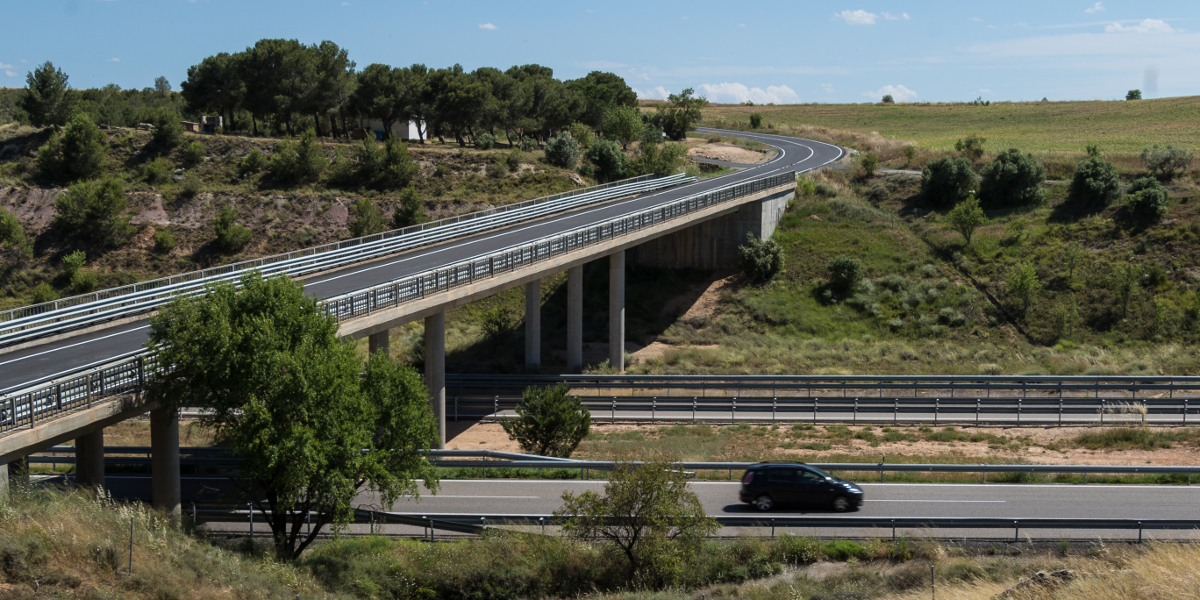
[(783, 52)]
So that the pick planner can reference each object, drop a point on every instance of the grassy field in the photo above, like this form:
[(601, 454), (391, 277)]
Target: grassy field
[(1038, 127)]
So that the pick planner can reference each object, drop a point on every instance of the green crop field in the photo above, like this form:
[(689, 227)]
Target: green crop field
[(1038, 127)]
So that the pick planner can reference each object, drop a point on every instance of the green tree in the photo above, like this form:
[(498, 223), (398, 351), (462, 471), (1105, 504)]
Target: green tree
[(660, 159), (648, 515), (582, 134), (231, 237), (1165, 162), (1073, 255), (624, 124), (215, 86), (162, 86), (888, 99), (966, 217), (95, 211), (410, 210), (82, 148), (168, 128), (298, 162), (194, 153), (12, 237), (607, 159), (755, 120), (397, 169), (845, 273), (1134, 95), (947, 181), (562, 151), (368, 219), (550, 421), (1013, 179), (285, 394), (1023, 283), (47, 100), (73, 262), (1147, 199), (1096, 181), (910, 154), (1124, 282), (971, 146), (680, 113), (1063, 318), (868, 164), (761, 259)]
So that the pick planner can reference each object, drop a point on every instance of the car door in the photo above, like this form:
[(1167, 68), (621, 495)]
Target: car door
[(782, 485), (810, 488)]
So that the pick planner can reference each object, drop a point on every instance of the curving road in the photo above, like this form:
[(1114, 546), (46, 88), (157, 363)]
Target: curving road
[(46, 360)]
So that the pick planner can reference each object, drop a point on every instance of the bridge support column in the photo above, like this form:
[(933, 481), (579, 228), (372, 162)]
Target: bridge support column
[(616, 311), (575, 319), (14, 475), (378, 342), (164, 461), (435, 370), (89, 459), (533, 325)]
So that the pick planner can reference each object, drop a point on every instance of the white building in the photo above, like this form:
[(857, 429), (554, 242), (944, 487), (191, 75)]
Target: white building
[(405, 130)]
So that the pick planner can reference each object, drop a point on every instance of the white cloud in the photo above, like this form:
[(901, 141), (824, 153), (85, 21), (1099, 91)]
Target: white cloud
[(729, 93), (984, 91), (635, 73), (1147, 26), (899, 17), (1097, 7), (488, 26), (345, 4), (898, 92), (828, 87), (741, 24), (8, 70), (658, 93), (24, 61), (114, 59), (977, 19), (856, 17)]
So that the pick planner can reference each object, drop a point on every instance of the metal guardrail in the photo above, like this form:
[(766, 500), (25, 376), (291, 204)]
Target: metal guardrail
[(365, 302), (36, 400), (28, 323)]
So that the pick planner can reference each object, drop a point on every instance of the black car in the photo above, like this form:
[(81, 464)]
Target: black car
[(766, 485)]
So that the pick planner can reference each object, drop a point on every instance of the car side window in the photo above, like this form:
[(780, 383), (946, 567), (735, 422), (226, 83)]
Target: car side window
[(781, 475), (809, 477)]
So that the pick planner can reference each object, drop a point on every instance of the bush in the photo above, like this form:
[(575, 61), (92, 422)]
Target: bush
[(1023, 283), (845, 273), (755, 121), (868, 163), (550, 422), (947, 181), (368, 219), (191, 187), (194, 153), (910, 153), (513, 160), (1096, 182), (888, 99), (582, 133), (397, 169), (527, 144), (659, 159), (1147, 199), (168, 129), (1134, 95), (84, 281), (44, 293), (73, 262), (231, 237), (164, 241), (95, 211), (1158, 160), (409, 211), (485, 141), (298, 162), (966, 217), (607, 159), (157, 171), (49, 158), (1013, 179), (562, 151), (825, 190), (82, 148), (971, 147), (11, 233), (253, 163), (761, 259), (624, 124), (843, 550)]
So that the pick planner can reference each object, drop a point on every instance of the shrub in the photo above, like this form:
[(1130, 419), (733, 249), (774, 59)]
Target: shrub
[(368, 219), (1023, 283), (1134, 95), (485, 141), (397, 169), (1158, 160), (409, 211), (868, 163), (550, 421), (164, 241), (231, 237), (44, 293), (947, 181), (843, 550), (49, 159), (95, 211), (755, 121), (805, 186), (298, 162), (910, 153), (1096, 181), (191, 187), (659, 159), (168, 130), (1013, 179), (1147, 199), (497, 323), (157, 171), (796, 550), (624, 124), (607, 159), (11, 233), (441, 171), (194, 153), (965, 217), (253, 163), (82, 148), (652, 134), (971, 147), (73, 262), (84, 281), (562, 151), (527, 144), (845, 273), (825, 190), (513, 160), (761, 259)]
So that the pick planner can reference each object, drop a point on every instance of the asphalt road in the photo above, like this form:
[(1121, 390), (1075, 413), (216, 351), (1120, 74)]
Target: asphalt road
[(46, 360)]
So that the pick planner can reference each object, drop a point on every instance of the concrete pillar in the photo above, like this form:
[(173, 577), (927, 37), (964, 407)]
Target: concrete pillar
[(435, 370), (575, 319), (89, 459), (533, 325), (3, 481), (17, 473), (164, 460), (616, 311), (378, 341)]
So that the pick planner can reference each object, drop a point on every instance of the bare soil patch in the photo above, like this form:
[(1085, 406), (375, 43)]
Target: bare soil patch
[(727, 152)]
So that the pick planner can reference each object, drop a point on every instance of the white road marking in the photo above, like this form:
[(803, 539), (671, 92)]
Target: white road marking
[(946, 501), (72, 346), (469, 496)]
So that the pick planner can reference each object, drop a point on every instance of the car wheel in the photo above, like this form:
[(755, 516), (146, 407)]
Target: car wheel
[(841, 504), (764, 503)]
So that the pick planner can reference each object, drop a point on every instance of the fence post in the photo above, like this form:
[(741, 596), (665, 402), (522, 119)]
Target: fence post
[(1016, 531), (693, 409), (733, 411), (653, 408), (816, 402), (773, 402)]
